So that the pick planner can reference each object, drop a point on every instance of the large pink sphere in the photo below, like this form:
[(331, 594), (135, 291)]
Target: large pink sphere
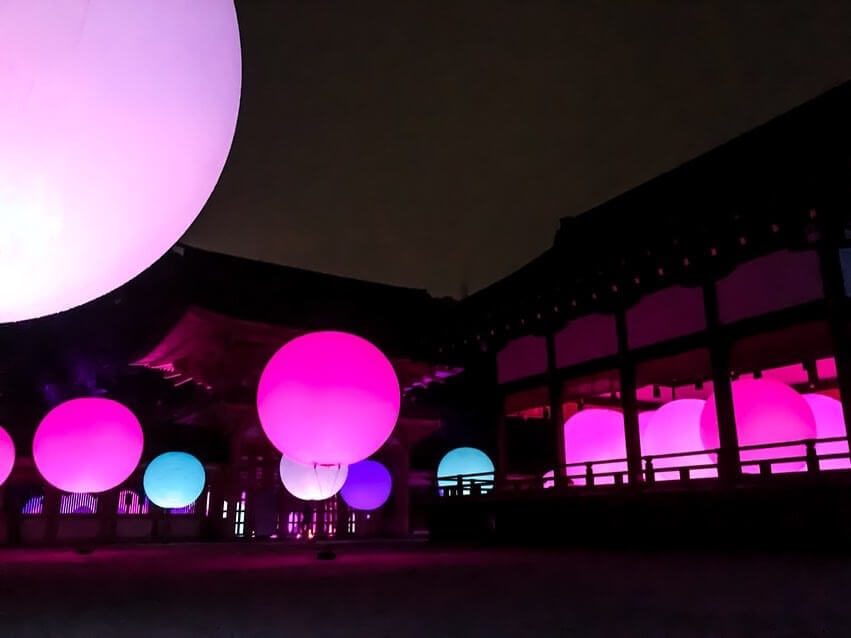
[(116, 118), (88, 445), (328, 398), (595, 434), (766, 411), (673, 428), (829, 424), (7, 455)]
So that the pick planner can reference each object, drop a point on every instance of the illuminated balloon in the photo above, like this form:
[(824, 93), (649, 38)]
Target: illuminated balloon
[(328, 398), (766, 411), (116, 119), (7, 455), (368, 485), (675, 427), (312, 482), (829, 424), (87, 445), (462, 461), (595, 434), (174, 480)]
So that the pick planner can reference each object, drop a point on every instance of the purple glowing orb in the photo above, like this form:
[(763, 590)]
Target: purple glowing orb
[(595, 434), (368, 486), (312, 482), (88, 445), (766, 411), (7, 455), (673, 428), (328, 398), (116, 120)]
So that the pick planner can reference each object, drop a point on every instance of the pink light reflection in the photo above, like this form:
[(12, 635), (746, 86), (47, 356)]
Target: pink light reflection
[(766, 411), (88, 445), (116, 119), (328, 398)]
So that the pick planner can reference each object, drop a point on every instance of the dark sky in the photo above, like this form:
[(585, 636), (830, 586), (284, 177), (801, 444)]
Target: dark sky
[(435, 144)]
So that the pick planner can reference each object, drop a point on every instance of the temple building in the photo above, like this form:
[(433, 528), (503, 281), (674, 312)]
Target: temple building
[(619, 378)]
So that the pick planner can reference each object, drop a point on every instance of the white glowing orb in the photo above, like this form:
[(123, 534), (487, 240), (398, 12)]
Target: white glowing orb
[(312, 482), (116, 118)]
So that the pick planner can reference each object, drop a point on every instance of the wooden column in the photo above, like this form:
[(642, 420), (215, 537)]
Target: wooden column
[(629, 403), (555, 400), (729, 469)]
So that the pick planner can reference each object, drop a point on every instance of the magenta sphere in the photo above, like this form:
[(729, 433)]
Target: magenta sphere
[(7, 455), (673, 428), (595, 434), (830, 423), (766, 411), (88, 445), (116, 119), (328, 398)]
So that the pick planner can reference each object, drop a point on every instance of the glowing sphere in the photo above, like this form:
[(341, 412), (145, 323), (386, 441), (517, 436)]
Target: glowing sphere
[(328, 398), (829, 424), (174, 480), (7, 455), (766, 411), (675, 427), (116, 120), (462, 461), (368, 485), (312, 482), (595, 434), (87, 445)]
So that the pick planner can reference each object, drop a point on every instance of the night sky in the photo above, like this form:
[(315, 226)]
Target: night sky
[(435, 144)]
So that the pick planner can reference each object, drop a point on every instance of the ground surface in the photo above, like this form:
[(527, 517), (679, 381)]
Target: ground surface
[(414, 590)]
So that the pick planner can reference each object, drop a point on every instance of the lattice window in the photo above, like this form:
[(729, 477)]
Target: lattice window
[(239, 517), (33, 507), (130, 503), (78, 504)]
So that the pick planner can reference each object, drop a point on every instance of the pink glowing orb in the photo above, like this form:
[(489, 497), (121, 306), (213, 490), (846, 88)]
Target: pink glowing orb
[(116, 119), (766, 411), (328, 398), (829, 423), (312, 482), (673, 428), (88, 445), (594, 434), (7, 455)]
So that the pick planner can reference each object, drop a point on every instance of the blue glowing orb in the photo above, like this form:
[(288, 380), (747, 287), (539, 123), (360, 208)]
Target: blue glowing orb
[(174, 480), (367, 486), (466, 461)]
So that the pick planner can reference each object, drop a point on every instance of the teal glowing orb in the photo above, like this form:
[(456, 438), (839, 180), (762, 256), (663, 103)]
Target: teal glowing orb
[(174, 480), (466, 461)]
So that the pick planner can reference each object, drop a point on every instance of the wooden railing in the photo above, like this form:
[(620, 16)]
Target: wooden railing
[(804, 456)]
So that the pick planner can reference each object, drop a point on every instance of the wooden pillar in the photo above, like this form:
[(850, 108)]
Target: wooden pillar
[(50, 510), (501, 439), (629, 403), (729, 469), (555, 401), (107, 513)]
